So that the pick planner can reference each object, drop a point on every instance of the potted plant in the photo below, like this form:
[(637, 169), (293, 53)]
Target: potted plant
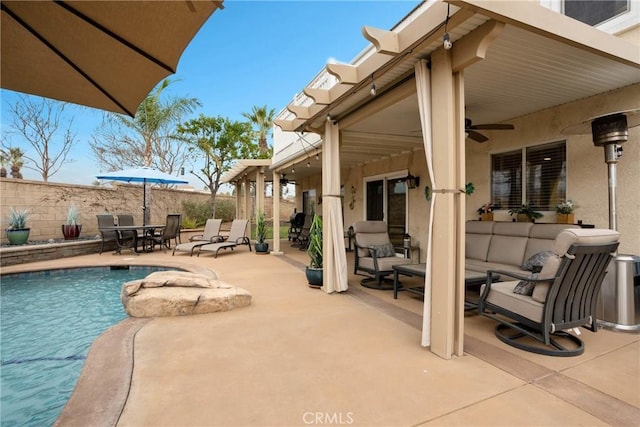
[(564, 212), (526, 213), (314, 250), (71, 230), (261, 234), (18, 232), (486, 212)]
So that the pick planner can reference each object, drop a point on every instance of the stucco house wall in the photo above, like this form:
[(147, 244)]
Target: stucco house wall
[(587, 181)]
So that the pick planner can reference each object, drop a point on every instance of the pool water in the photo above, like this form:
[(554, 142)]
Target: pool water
[(48, 322)]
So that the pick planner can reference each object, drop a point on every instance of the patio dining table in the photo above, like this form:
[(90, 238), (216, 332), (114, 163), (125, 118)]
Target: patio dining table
[(143, 232)]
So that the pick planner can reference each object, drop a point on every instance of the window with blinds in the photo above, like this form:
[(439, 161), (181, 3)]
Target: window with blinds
[(594, 12), (542, 169)]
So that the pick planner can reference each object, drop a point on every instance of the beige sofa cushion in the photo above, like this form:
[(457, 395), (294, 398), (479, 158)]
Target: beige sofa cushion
[(507, 250)]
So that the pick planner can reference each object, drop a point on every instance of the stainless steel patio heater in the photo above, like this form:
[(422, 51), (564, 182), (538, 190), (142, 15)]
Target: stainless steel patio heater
[(619, 306)]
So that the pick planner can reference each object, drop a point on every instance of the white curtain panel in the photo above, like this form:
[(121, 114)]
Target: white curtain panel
[(335, 258), (423, 89)]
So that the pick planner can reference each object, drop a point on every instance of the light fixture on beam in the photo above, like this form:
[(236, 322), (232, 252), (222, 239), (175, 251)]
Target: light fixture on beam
[(372, 91), (412, 181)]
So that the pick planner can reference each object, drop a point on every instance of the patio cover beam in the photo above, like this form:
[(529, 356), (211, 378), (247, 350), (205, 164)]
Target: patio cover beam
[(528, 14)]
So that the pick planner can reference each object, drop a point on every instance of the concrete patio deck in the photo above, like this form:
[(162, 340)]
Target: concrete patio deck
[(297, 356)]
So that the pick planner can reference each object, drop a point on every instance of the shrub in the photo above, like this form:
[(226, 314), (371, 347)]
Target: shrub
[(195, 213), (225, 210)]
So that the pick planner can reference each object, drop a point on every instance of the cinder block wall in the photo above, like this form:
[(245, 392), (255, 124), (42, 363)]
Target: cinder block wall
[(49, 203)]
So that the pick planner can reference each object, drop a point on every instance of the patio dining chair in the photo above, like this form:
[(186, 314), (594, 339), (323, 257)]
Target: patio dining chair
[(375, 255), (538, 314), (170, 231), (127, 238), (106, 236), (237, 236)]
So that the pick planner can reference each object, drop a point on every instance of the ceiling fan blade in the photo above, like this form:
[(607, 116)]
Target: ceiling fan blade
[(476, 136), (494, 126)]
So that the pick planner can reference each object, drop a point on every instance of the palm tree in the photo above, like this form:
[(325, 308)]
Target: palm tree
[(263, 121), (152, 115), (148, 138)]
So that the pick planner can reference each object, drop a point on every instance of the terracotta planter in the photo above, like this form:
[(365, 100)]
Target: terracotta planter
[(565, 218), (486, 216), (71, 232)]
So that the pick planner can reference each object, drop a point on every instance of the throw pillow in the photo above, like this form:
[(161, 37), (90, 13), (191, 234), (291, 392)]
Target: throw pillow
[(548, 271), (536, 261), (384, 251), (524, 287)]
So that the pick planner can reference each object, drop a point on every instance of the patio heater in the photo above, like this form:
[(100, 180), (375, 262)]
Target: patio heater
[(619, 304)]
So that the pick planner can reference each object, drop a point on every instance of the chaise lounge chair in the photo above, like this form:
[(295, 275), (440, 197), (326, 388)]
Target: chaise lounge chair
[(237, 236), (211, 234)]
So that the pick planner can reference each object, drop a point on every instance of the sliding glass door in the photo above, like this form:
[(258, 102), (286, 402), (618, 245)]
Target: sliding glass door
[(386, 200)]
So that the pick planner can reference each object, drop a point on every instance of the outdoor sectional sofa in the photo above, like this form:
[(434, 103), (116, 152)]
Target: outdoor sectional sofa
[(507, 246)]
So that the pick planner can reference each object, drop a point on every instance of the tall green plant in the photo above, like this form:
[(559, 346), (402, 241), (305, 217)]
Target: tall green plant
[(315, 242), (261, 227)]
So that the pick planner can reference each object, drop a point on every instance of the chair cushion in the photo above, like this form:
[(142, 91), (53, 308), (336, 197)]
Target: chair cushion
[(384, 264), (583, 236), (549, 270), (384, 251), (502, 295)]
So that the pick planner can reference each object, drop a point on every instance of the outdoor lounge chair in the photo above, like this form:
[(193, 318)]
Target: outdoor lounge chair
[(106, 236), (237, 236), (211, 234), (375, 255), (170, 231), (561, 298)]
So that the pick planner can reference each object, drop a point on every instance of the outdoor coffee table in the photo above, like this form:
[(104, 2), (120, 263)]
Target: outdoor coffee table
[(471, 278)]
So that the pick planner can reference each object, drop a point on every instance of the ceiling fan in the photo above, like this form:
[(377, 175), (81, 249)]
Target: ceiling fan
[(470, 129), (285, 181)]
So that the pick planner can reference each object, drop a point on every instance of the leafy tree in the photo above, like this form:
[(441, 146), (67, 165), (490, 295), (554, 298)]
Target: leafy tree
[(220, 141), (149, 138), (262, 120), (39, 122)]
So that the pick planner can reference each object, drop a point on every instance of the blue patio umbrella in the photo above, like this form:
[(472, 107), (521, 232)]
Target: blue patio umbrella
[(144, 175)]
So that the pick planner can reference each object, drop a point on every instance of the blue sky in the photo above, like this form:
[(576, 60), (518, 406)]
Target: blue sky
[(249, 53)]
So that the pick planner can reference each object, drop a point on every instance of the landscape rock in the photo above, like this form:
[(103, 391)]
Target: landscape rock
[(179, 293)]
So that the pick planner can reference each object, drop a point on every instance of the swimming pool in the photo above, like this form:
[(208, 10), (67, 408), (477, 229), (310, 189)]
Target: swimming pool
[(49, 320)]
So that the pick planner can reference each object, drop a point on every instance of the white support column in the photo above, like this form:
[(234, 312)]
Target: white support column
[(447, 281), (246, 214), (276, 214), (259, 191), (333, 253), (238, 185)]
